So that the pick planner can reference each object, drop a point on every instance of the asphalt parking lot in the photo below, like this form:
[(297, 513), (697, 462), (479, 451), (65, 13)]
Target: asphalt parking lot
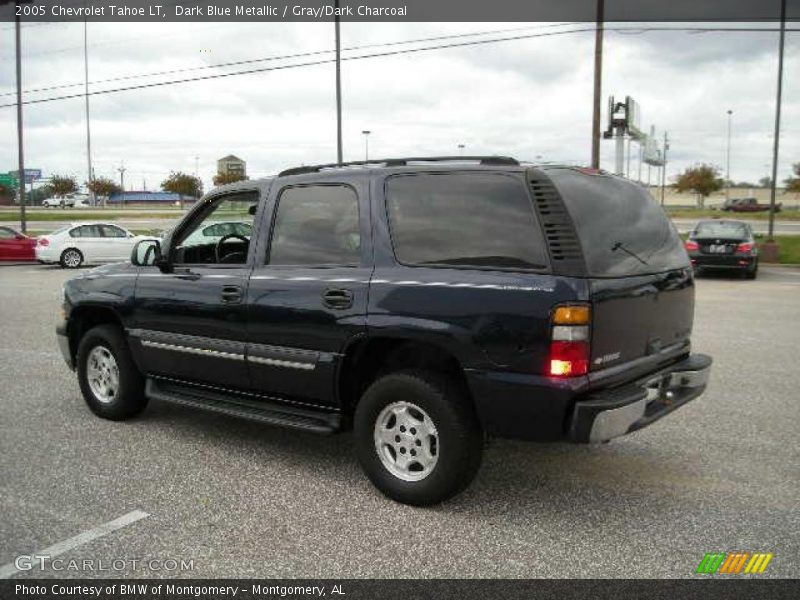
[(246, 500)]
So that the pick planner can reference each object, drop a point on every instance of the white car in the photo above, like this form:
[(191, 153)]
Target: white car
[(76, 200), (83, 243)]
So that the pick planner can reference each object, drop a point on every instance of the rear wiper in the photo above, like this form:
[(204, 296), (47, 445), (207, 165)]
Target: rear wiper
[(621, 246)]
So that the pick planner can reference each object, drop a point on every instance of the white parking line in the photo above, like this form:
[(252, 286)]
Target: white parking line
[(9, 570)]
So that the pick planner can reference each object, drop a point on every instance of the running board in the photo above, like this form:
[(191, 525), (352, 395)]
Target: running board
[(235, 405)]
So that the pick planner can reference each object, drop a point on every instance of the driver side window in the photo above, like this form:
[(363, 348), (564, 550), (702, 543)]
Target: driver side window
[(222, 233)]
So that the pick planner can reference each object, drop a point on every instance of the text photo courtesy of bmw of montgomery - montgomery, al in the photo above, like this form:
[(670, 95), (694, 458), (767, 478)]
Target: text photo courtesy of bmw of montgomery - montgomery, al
[(395, 298)]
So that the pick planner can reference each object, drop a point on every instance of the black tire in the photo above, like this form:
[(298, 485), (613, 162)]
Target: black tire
[(65, 259), (129, 399), (752, 273), (458, 442)]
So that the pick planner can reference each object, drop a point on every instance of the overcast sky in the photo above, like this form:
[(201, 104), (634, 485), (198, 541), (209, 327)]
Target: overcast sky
[(531, 99)]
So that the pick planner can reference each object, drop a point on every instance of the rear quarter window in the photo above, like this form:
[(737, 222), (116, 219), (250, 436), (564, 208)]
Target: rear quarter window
[(483, 220)]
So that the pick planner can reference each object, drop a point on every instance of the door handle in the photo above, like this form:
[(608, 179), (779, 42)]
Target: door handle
[(337, 298), (231, 294)]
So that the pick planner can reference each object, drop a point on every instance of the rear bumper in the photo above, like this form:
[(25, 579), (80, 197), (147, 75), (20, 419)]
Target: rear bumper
[(585, 409), (611, 413), (724, 261)]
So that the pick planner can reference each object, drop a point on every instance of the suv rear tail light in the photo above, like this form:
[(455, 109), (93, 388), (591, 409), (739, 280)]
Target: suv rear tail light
[(691, 245), (745, 248), (569, 341), (44, 242)]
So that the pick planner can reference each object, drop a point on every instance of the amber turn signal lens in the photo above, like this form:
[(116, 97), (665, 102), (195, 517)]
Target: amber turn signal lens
[(571, 315)]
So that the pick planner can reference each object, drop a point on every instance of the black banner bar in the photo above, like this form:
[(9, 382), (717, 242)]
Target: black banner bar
[(397, 10), (708, 588)]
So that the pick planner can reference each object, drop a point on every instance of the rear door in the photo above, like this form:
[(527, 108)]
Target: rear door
[(118, 244), (642, 288), (308, 293), (89, 239)]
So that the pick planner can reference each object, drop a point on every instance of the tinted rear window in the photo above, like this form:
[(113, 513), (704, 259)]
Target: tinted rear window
[(464, 219), (622, 229), (721, 229)]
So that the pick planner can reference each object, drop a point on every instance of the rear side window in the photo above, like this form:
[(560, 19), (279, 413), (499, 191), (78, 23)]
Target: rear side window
[(464, 219), (316, 225), (622, 229)]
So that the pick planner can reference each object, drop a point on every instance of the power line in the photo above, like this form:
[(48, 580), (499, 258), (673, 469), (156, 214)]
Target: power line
[(364, 56), (287, 56)]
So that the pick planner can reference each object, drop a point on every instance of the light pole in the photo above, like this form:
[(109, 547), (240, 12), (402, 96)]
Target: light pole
[(86, 96), (461, 149), (20, 146), (366, 133), (598, 83), (776, 141), (338, 86), (122, 170), (728, 159)]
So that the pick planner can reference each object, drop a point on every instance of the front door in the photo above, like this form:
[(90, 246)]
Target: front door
[(308, 292), (190, 321)]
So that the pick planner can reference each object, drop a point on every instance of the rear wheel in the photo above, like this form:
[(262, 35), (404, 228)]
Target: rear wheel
[(71, 258), (417, 437), (752, 271), (110, 382)]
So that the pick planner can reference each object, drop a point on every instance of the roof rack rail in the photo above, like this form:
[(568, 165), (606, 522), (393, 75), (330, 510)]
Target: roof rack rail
[(401, 162)]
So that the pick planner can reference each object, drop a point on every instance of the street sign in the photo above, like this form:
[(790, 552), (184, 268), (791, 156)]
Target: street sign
[(8, 180), (31, 175)]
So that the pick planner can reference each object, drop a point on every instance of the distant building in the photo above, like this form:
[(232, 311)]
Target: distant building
[(232, 165), (147, 198)]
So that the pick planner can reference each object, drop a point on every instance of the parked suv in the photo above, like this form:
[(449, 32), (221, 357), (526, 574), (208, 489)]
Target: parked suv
[(423, 303)]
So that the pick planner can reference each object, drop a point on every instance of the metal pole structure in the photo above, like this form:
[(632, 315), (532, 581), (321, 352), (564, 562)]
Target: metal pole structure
[(338, 87), (641, 155), (122, 181), (366, 133), (664, 168), (21, 180), (776, 141), (461, 149), (628, 164), (86, 96), (728, 159), (620, 150), (598, 84)]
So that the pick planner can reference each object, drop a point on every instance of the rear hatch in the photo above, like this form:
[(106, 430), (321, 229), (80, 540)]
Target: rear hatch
[(640, 280)]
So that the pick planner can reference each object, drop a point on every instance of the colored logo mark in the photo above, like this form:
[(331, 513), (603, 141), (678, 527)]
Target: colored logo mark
[(733, 563)]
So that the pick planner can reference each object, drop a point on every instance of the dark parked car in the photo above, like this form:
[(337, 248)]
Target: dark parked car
[(16, 246), (747, 205), (723, 244), (423, 303)]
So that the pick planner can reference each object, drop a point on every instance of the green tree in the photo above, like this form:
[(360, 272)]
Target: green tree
[(223, 178), (63, 185), (765, 182), (103, 186), (183, 184), (702, 179), (793, 183)]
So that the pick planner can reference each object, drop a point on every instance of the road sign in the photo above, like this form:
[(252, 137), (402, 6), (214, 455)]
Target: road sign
[(8, 180), (32, 175)]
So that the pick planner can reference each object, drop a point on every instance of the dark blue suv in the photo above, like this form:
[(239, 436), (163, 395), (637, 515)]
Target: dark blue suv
[(424, 303)]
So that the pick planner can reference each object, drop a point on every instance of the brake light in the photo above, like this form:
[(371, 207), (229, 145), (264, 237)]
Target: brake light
[(44, 242), (744, 248), (569, 341), (691, 245)]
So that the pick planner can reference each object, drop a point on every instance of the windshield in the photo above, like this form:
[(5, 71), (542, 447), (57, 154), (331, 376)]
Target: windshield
[(721, 229)]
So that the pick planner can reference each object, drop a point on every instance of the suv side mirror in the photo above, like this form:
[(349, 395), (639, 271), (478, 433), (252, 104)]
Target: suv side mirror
[(146, 253)]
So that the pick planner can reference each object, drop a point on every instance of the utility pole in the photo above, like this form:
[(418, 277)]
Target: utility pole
[(598, 83), (122, 170), (86, 96), (728, 159), (664, 168), (776, 141), (461, 149), (366, 133), (338, 86), (628, 164), (20, 149)]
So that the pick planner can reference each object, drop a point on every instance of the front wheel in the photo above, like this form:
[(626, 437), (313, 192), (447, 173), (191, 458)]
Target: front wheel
[(110, 382), (417, 437)]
